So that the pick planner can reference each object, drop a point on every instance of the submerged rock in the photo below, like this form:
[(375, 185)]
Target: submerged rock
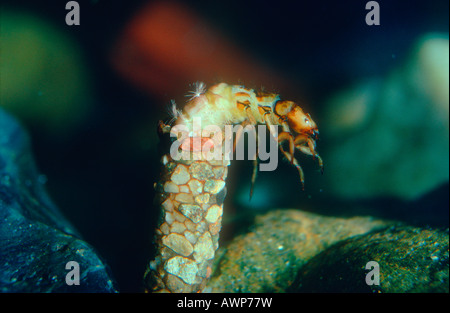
[(267, 258), (409, 260), (36, 241)]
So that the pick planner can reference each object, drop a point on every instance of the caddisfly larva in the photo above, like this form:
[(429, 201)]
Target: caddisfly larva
[(224, 104), (191, 190)]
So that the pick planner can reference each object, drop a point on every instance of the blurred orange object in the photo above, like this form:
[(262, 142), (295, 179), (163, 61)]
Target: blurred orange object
[(166, 47)]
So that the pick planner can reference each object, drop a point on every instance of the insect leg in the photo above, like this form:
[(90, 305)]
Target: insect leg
[(163, 128), (255, 161), (297, 166), (255, 172), (289, 156), (307, 145), (239, 133), (282, 136), (255, 165), (246, 106), (268, 123), (285, 136)]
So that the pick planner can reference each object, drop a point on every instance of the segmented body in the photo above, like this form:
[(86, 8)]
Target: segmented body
[(191, 191), (224, 104)]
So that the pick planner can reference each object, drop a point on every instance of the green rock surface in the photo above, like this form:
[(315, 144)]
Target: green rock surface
[(268, 257), (410, 260)]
